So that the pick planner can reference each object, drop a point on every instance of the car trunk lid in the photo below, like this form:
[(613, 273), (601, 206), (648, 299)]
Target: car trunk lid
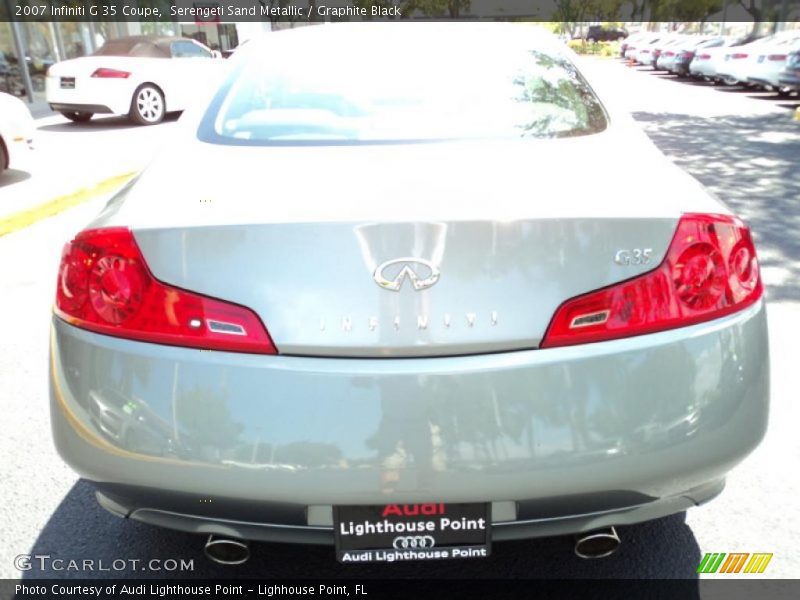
[(405, 250)]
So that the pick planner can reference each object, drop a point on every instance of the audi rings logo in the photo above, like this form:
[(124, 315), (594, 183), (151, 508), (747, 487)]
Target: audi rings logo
[(404, 542)]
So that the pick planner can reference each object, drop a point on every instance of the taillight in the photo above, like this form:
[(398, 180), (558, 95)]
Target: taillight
[(738, 55), (110, 74), (104, 285), (702, 56), (780, 57), (669, 53), (710, 270)]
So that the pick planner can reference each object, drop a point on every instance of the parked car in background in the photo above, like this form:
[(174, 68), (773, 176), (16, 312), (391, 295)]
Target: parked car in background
[(765, 68), (790, 76), (633, 49), (16, 129), (143, 77), (740, 61), (706, 61), (518, 357), (631, 41), (598, 33), (648, 53), (664, 54), (684, 53)]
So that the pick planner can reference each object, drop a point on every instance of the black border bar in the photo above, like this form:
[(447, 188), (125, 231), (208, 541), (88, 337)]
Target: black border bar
[(394, 589), (585, 11)]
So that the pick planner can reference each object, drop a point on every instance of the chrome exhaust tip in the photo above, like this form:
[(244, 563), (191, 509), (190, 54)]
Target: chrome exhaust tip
[(597, 544), (227, 551)]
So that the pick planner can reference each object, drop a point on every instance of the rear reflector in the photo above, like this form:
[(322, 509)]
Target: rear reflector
[(710, 270), (703, 56), (738, 55), (104, 285), (111, 74)]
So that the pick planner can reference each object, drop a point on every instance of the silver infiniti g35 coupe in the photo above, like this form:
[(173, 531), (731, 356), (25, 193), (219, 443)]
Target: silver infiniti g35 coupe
[(391, 290)]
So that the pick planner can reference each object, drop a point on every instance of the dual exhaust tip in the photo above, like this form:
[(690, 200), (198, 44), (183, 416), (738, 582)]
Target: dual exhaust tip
[(227, 551), (595, 544)]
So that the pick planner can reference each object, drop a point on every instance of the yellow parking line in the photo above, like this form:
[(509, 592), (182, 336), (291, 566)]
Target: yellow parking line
[(52, 207)]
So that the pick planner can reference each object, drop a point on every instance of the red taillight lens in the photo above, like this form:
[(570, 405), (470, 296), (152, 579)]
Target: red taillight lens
[(738, 55), (710, 270), (780, 57), (105, 285), (669, 53), (111, 74), (703, 56)]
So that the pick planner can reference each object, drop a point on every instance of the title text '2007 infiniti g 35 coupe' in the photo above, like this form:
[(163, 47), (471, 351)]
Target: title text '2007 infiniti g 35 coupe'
[(375, 297)]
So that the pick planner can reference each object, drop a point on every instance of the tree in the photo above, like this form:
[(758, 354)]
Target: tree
[(761, 10), (572, 12), (691, 10)]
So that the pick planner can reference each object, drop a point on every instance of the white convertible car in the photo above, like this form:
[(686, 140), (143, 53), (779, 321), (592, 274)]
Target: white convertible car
[(140, 76), (16, 129)]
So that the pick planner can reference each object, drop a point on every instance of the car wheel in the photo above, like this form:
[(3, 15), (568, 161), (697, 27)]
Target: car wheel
[(78, 117), (730, 80), (147, 106), (784, 92)]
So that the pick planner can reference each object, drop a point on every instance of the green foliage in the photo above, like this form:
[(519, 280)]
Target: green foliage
[(575, 11), (604, 49), (687, 10)]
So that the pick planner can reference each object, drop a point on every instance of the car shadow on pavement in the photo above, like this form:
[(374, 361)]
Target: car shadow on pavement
[(12, 176), (80, 530), (750, 163), (102, 124)]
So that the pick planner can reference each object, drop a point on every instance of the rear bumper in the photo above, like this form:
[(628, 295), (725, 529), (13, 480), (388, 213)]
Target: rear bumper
[(792, 81), (295, 523), (571, 438), (702, 68), (92, 108), (681, 66), (764, 82), (91, 95)]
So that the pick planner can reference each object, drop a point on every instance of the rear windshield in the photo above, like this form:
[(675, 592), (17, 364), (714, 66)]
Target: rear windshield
[(142, 49), (348, 94)]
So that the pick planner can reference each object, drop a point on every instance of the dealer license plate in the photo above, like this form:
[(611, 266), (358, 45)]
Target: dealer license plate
[(396, 532)]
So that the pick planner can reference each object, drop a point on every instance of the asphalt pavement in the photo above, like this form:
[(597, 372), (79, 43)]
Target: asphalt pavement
[(742, 145)]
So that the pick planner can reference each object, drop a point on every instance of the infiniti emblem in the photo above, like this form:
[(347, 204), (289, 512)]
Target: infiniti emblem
[(391, 274)]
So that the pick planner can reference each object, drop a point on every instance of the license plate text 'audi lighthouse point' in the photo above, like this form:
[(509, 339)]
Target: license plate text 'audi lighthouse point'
[(397, 532)]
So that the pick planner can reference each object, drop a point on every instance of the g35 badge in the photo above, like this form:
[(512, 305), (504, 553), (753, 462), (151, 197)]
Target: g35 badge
[(634, 256)]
